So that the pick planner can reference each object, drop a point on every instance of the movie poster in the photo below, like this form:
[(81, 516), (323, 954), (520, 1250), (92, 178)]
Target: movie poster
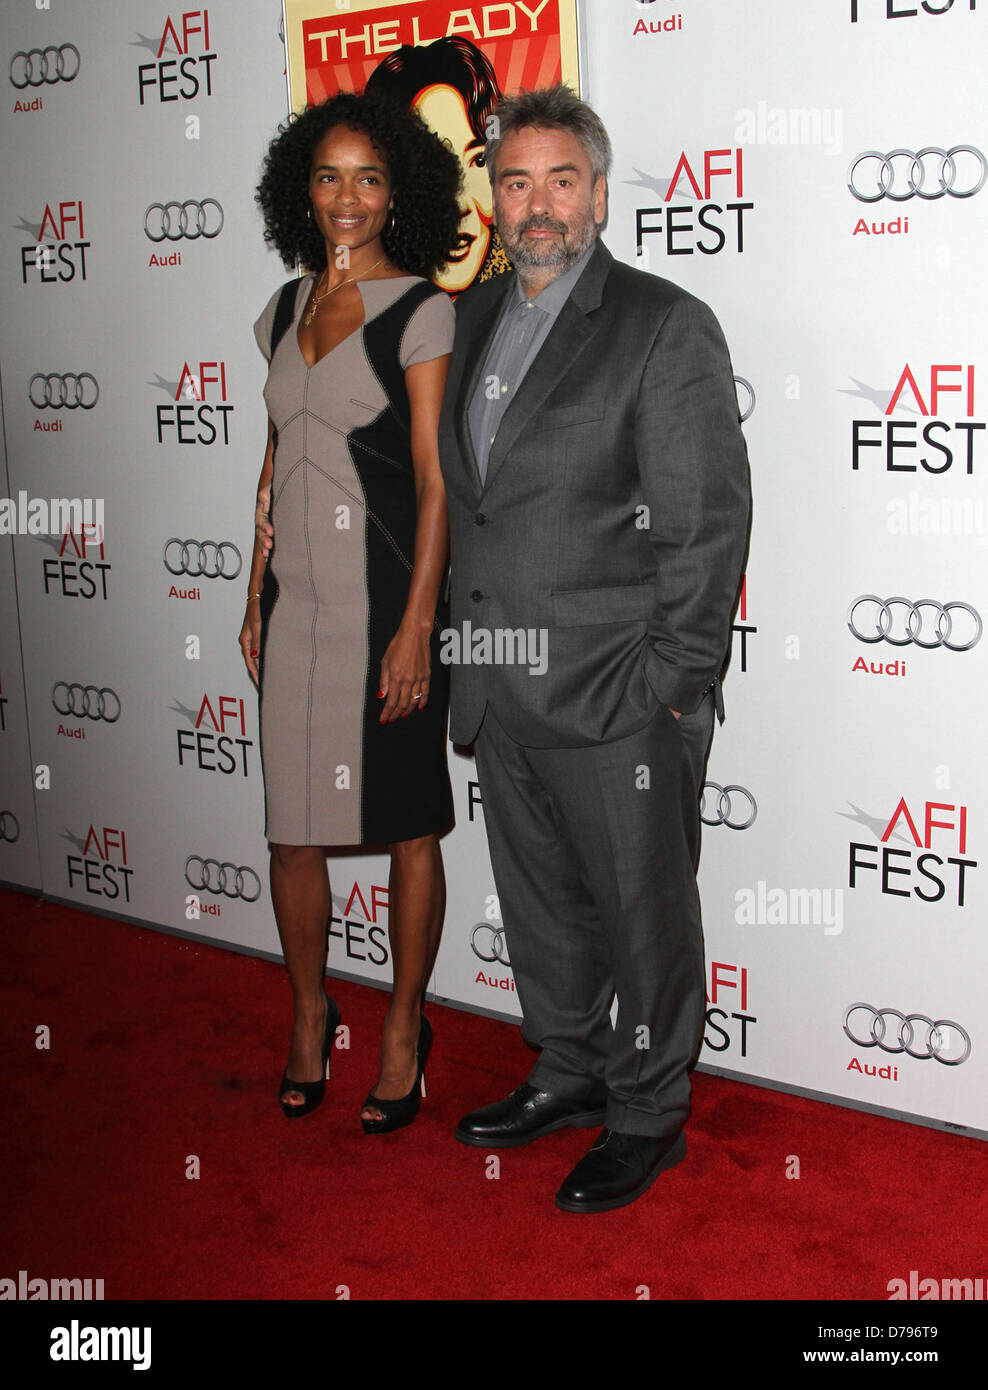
[(451, 65)]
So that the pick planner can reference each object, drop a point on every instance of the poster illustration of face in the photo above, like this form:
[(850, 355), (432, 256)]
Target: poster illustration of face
[(451, 66)]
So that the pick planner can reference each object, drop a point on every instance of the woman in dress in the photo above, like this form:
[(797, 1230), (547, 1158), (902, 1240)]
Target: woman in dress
[(353, 695)]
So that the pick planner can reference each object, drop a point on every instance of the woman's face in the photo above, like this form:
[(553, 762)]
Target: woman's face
[(350, 190), (444, 111)]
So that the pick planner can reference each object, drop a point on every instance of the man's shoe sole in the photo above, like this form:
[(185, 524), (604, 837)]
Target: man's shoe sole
[(675, 1155), (584, 1121)]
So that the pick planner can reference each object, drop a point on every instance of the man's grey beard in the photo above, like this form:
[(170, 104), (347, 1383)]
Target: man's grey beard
[(558, 256)]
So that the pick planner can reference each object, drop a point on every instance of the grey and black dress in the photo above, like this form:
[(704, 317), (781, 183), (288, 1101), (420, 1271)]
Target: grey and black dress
[(343, 506)]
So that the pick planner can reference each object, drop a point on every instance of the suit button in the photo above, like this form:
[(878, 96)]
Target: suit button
[(476, 596), (479, 519)]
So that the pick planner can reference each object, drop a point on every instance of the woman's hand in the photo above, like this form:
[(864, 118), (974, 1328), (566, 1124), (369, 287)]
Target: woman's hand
[(263, 530), (405, 673), (250, 638)]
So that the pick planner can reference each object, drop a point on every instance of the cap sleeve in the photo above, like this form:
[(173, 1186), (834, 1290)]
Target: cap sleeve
[(429, 332), (264, 326)]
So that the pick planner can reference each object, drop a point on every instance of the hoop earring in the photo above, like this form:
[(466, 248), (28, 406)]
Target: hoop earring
[(388, 228)]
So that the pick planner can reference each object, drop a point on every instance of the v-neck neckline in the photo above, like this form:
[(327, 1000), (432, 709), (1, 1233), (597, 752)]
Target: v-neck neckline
[(359, 328)]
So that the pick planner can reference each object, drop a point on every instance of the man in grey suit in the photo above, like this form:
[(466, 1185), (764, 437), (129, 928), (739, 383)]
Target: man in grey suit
[(598, 496)]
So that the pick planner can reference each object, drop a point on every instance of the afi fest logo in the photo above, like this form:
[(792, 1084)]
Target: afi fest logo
[(741, 628), (57, 251), (942, 433), (217, 740), (198, 412), (727, 1016), (712, 185), (907, 9), (81, 567), (187, 75), (360, 922), (99, 868), (935, 874)]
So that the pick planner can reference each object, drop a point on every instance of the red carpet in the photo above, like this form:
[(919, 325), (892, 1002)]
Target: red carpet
[(163, 1049)]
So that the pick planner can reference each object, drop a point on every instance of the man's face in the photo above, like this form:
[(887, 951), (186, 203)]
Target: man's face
[(546, 204)]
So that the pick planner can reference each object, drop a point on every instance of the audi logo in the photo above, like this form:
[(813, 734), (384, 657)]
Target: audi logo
[(935, 1043), (86, 701), (921, 179), (488, 944), (733, 803), (9, 827), (171, 222), (64, 389), (748, 390), (202, 559), (33, 68), (226, 878), (936, 631)]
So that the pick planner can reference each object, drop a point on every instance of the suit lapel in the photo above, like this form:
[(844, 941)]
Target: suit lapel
[(567, 339), (473, 364)]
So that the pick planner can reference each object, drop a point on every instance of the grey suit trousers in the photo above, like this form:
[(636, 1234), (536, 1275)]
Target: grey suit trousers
[(594, 854)]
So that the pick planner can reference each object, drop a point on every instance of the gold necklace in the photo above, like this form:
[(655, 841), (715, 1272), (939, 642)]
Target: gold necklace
[(317, 300)]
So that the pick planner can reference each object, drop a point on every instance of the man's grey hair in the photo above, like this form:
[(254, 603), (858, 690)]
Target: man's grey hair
[(553, 108)]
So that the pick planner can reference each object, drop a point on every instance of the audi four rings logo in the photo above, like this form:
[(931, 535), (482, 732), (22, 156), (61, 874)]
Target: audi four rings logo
[(202, 559), (880, 624), (71, 390), (44, 65), (935, 1043), (744, 388), (9, 828), (874, 176), (228, 879), (173, 221), (86, 701), (488, 943), (735, 806)]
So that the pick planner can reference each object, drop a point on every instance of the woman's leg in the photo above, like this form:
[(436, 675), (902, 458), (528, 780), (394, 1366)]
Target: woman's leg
[(416, 906), (300, 894)]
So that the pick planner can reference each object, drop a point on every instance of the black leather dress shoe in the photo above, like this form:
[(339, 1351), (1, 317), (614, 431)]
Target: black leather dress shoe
[(525, 1115), (619, 1168)]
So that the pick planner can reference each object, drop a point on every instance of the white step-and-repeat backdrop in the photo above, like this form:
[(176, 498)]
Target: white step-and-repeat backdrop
[(817, 173)]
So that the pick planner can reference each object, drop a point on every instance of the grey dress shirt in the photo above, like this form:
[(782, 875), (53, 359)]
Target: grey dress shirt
[(522, 329)]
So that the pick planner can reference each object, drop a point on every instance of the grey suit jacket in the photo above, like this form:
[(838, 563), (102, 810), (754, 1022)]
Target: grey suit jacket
[(613, 520)]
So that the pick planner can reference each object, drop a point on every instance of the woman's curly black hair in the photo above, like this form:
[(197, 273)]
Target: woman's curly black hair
[(425, 180)]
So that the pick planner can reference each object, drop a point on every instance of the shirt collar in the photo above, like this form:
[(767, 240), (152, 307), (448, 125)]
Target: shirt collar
[(556, 293)]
